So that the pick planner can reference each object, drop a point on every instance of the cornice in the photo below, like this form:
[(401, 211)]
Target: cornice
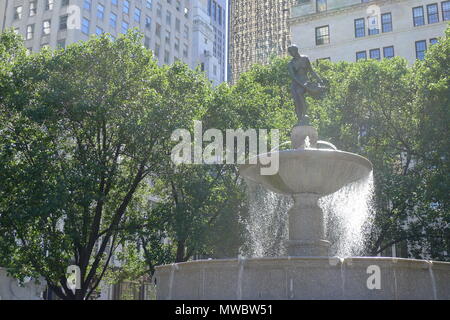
[(339, 11)]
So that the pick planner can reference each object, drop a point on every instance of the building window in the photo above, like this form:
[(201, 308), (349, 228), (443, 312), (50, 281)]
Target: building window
[(433, 41), (63, 22), (126, 7), (30, 32), (98, 30), (433, 13), (149, 4), (360, 28), (322, 35), (388, 52), (158, 30), (157, 50), (219, 10), (375, 54), (177, 25), (85, 26), (185, 51), (100, 11), (361, 55), (177, 44), (49, 4), (186, 32), (124, 26), (166, 57), (18, 13), (87, 4), (113, 20), (65, 3), (214, 9), (446, 10), (373, 26), (386, 22), (137, 15), (168, 18), (114, 2), (168, 37), (321, 5), (209, 7), (147, 42), (61, 44), (148, 22), (159, 10), (418, 16), (421, 48), (33, 8), (46, 26)]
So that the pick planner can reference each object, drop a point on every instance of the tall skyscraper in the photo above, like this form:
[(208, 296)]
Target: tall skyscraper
[(362, 29), (258, 29)]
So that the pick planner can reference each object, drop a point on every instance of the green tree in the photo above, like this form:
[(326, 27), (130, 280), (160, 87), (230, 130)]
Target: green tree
[(82, 128)]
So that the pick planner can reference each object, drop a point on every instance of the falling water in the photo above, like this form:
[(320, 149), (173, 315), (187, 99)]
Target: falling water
[(433, 279), (266, 223), (348, 214)]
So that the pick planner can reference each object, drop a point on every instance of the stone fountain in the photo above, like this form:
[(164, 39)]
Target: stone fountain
[(306, 173)]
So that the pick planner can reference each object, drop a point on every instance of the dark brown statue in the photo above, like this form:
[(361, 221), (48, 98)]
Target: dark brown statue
[(300, 68)]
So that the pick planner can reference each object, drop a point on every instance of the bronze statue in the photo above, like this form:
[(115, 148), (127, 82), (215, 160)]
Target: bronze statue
[(299, 69)]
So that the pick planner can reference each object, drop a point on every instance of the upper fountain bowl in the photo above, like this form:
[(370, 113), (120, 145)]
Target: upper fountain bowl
[(315, 171)]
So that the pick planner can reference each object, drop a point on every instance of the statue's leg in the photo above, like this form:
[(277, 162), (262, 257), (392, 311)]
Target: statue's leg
[(300, 103)]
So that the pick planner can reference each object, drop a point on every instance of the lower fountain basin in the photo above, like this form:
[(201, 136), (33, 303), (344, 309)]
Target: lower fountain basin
[(304, 278), (316, 171)]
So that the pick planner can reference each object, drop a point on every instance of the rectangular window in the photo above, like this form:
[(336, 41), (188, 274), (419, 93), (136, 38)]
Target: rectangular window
[(30, 32), (18, 13), (159, 10), (65, 3), (168, 18), (85, 26), (98, 30), (168, 37), (445, 10), (147, 42), (433, 13), (114, 2), (63, 22), (148, 22), (185, 51), (126, 7), (177, 25), (177, 44), (149, 4), (374, 28), (46, 26), (388, 52), (61, 44), (361, 55), (157, 50), (100, 11), (137, 15), (433, 41), (375, 54), (360, 28), (209, 7), (386, 22), (322, 35), (418, 16), (49, 4), (186, 32), (219, 11), (87, 4), (33, 8), (166, 57), (113, 20), (321, 5), (124, 26), (421, 48), (158, 30), (214, 9)]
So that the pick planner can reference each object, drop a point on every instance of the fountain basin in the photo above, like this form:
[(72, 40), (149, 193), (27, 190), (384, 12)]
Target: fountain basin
[(315, 171), (303, 278)]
